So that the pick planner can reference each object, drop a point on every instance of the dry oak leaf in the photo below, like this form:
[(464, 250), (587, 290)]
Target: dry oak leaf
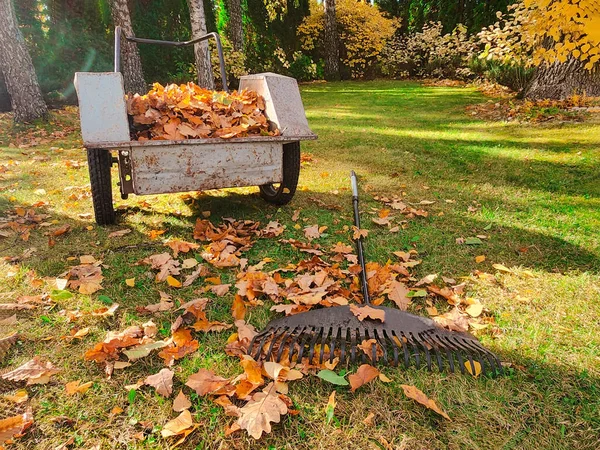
[(273, 229), (34, 372), (181, 402), (75, 387), (13, 426), (419, 396), (265, 407), (162, 382), (364, 312), (358, 233), (181, 246), (453, 320), (363, 375), (206, 382), (397, 293), (314, 232)]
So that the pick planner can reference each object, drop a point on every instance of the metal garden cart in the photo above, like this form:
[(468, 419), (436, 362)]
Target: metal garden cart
[(164, 166)]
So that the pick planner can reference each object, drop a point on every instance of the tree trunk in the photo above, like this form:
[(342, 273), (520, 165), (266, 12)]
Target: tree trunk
[(560, 80), (4, 97), (332, 51), (131, 66), (236, 33), (15, 63), (198, 21)]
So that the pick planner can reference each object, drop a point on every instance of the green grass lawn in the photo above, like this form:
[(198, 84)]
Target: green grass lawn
[(532, 190)]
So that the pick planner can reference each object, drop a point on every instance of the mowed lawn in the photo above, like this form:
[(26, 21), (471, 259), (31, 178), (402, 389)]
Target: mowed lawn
[(532, 191)]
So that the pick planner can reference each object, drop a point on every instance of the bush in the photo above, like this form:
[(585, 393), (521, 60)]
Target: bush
[(363, 32), (512, 75), (302, 68), (429, 53)]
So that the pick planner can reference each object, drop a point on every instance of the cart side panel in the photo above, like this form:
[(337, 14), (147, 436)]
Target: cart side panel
[(181, 168), (282, 99), (102, 108)]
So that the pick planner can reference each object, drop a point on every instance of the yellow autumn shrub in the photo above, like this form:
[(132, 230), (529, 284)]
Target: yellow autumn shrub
[(362, 29)]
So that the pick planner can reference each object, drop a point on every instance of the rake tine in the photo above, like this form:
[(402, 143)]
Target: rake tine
[(302, 343), (253, 341), (334, 335), (262, 342), (343, 337), (313, 341), (394, 347), (470, 358), (352, 346), (477, 353), (323, 339), (363, 355), (284, 339), (404, 349), (293, 343), (273, 341), (383, 345), (490, 357), (437, 347)]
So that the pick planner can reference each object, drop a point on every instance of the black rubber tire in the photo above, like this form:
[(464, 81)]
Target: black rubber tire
[(283, 194), (99, 163)]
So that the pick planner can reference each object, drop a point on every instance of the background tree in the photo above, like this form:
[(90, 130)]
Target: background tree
[(331, 42), (130, 57), (236, 25), (16, 65), (198, 22)]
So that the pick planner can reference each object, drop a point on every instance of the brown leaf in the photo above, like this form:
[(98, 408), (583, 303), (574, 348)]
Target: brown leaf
[(34, 372), (453, 320), (312, 232), (419, 396), (181, 246), (238, 308), (364, 312), (367, 347), (265, 407), (426, 280), (363, 375), (162, 382), (178, 425), (15, 425), (220, 289), (206, 382), (181, 402), (119, 233), (397, 293)]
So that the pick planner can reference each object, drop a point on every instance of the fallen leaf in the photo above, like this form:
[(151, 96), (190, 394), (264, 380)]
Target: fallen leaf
[(205, 382), (368, 421), (143, 350), (453, 320), (329, 409), (162, 382), (130, 282), (181, 402), (6, 343), (426, 280), (13, 426), (363, 375), (364, 312), (474, 310), (480, 258), (33, 371), (173, 282), (178, 425), (21, 396), (75, 387), (119, 233), (264, 407), (474, 369), (417, 395), (397, 293), (331, 377), (501, 268)]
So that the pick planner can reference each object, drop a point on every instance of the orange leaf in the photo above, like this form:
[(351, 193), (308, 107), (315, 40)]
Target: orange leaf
[(364, 312), (419, 396), (363, 375), (173, 282)]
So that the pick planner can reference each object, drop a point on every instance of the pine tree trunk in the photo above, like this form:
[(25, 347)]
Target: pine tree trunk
[(131, 64), (4, 97), (236, 33), (19, 74), (332, 52), (198, 21), (561, 80)]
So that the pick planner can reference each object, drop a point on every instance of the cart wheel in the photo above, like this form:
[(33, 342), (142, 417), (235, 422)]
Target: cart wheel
[(282, 193), (99, 162)]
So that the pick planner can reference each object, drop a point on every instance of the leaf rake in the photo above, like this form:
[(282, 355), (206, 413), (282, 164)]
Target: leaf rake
[(402, 338)]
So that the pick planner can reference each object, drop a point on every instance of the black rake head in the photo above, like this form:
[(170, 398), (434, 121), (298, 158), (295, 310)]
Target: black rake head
[(403, 338)]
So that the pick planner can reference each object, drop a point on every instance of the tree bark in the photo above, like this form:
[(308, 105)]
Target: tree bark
[(198, 21), (131, 66), (560, 80), (236, 32), (19, 74), (332, 51)]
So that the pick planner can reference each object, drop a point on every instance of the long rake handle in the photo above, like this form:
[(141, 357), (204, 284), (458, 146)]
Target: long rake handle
[(359, 242)]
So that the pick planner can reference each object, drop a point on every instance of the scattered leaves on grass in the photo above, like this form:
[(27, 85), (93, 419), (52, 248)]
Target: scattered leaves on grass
[(367, 312), (417, 395), (363, 375)]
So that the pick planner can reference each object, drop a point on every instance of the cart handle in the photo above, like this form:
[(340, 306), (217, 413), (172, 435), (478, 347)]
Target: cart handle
[(119, 31)]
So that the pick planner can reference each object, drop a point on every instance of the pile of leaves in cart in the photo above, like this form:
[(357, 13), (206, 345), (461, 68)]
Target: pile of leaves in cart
[(187, 111), (257, 397)]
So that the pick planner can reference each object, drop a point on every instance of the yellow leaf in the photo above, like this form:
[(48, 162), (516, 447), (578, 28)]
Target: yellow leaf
[(74, 387), (475, 309), (501, 268), (173, 282), (19, 397), (477, 367), (383, 378), (130, 282), (480, 258)]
